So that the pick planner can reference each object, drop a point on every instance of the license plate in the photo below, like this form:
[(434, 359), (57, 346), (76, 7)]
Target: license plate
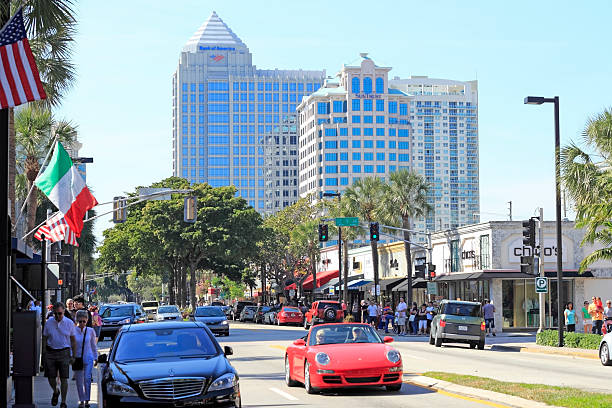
[(463, 328)]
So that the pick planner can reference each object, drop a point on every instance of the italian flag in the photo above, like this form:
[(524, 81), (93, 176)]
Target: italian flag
[(64, 186)]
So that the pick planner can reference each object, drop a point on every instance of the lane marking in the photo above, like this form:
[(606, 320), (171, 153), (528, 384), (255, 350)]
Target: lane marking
[(283, 394), (277, 346), (459, 396), (415, 357)]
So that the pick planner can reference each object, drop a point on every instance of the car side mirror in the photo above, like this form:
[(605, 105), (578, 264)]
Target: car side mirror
[(299, 342), (228, 351), (388, 339), (102, 359), (191, 315)]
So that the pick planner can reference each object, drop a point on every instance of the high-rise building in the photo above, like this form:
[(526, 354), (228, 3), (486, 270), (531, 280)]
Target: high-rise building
[(444, 117), (234, 123), (363, 124)]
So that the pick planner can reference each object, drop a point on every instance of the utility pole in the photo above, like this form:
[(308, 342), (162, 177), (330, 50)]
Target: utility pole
[(510, 210), (541, 270)]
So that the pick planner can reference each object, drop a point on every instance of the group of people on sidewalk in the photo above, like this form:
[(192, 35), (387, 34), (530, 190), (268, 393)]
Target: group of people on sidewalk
[(596, 318), (70, 339), (402, 319)]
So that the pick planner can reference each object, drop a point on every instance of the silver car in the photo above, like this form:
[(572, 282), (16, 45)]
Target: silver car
[(168, 312)]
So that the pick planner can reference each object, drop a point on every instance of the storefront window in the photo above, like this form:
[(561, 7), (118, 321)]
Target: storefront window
[(484, 252), (455, 258)]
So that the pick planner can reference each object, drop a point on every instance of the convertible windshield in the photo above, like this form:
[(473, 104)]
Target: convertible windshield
[(214, 311), (462, 309), (117, 311), (343, 333), (168, 309), (151, 344)]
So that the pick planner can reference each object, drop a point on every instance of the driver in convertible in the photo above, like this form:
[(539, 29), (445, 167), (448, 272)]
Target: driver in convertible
[(359, 335), (320, 337)]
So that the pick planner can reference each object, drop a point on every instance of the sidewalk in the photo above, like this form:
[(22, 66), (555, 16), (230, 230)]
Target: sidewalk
[(534, 348), (43, 393)]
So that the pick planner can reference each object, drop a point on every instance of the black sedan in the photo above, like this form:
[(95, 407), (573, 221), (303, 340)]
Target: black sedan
[(168, 365), (115, 316), (214, 318)]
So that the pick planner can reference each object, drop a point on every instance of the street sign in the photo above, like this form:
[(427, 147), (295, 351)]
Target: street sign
[(347, 222), (432, 288), (332, 290), (541, 285)]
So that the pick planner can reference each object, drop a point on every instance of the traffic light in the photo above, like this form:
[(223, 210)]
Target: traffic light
[(119, 210), (431, 271), (374, 229), (529, 234), (323, 234), (527, 264), (190, 209)]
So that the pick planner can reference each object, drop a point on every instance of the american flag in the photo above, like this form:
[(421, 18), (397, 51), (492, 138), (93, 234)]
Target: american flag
[(57, 229), (19, 78)]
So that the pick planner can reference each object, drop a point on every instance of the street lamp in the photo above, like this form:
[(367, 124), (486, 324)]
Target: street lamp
[(539, 100), (344, 290)]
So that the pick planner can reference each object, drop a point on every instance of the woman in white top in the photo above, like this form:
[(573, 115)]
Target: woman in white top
[(85, 347)]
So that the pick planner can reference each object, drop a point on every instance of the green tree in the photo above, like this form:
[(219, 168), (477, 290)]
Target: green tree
[(587, 177), (406, 199), (364, 199), (305, 245)]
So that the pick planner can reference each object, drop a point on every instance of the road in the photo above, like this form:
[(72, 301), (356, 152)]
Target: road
[(259, 359)]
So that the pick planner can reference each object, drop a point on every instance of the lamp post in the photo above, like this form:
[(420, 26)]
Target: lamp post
[(539, 100), (337, 194)]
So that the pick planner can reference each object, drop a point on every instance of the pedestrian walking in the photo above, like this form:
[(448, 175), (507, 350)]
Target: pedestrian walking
[(355, 311), (59, 341), (387, 317), (587, 323), (96, 320), (413, 319), (79, 304), (596, 312), (372, 314), (430, 314), (570, 317), (421, 318), (85, 357), (608, 315), (488, 310), (364, 311), (401, 308), (69, 309)]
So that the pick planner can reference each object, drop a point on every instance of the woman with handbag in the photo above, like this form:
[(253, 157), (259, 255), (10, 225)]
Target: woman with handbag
[(85, 357)]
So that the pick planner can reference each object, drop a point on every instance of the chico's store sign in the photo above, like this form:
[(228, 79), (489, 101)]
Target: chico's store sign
[(516, 249)]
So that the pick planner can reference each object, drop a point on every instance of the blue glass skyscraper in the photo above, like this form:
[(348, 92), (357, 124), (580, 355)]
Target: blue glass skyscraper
[(234, 124)]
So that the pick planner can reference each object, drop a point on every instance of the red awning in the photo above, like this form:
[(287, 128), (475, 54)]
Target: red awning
[(290, 287), (322, 279)]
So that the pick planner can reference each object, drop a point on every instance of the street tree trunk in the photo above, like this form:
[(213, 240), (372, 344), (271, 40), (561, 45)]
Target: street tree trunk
[(31, 211), (406, 225), (180, 286), (192, 285), (374, 247), (345, 270), (171, 286)]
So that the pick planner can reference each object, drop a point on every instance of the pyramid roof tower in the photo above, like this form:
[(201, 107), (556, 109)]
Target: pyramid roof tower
[(214, 33)]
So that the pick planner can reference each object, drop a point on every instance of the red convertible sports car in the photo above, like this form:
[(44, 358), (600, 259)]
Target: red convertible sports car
[(339, 355)]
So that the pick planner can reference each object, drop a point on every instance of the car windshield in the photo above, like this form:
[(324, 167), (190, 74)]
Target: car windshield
[(324, 305), (343, 333), (250, 308), (209, 312), (149, 304), (151, 344), (462, 309), (168, 309), (117, 311), (290, 309)]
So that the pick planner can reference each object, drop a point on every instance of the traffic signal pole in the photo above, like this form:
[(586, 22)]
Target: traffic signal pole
[(541, 270)]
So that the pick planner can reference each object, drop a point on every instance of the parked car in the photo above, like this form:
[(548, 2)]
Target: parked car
[(323, 311), (248, 313), (150, 308), (458, 322), (214, 318), (237, 308), (168, 365), (289, 315), (168, 312), (114, 316), (259, 313), (341, 355), (227, 310), (605, 350), (270, 315)]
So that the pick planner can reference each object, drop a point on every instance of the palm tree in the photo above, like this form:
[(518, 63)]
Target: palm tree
[(364, 199), (305, 243), (405, 199), (36, 132), (587, 177)]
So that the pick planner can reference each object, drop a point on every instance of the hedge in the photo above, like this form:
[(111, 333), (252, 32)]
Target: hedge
[(570, 339)]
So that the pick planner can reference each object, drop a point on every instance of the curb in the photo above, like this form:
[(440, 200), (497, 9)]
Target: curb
[(491, 398), (557, 352)]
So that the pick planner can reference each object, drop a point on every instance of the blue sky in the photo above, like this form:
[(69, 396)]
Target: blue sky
[(126, 52)]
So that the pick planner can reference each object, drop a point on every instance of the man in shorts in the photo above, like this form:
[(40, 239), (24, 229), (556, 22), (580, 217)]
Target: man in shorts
[(489, 316), (59, 341)]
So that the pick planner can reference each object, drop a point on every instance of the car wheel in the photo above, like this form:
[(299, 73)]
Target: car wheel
[(394, 387), (431, 339), (288, 380), (481, 344), (438, 341), (604, 354), (309, 388), (473, 345), (278, 323)]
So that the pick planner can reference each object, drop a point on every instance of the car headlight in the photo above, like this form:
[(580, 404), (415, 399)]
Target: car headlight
[(393, 356), (121, 389), (224, 322), (124, 321), (225, 381), (322, 358)]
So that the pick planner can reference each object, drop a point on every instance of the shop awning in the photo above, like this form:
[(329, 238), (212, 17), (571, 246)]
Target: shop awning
[(358, 283), (389, 283), (416, 283), (324, 288), (351, 278), (322, 278)]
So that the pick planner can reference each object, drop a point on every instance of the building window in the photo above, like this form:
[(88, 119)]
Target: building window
[(380, 86), (367, 105), (485, 261), (355, 85), (367, 85), (331, 181), (455, 258), (356, 104), (380, 105)]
